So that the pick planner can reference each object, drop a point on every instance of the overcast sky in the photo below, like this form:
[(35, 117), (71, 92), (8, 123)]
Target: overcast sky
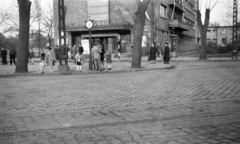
[(216, 15)]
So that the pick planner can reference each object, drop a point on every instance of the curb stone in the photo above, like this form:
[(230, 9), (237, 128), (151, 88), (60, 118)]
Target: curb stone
[(82, 73)]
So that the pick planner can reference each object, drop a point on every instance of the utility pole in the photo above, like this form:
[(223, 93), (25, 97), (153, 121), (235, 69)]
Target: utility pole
[(39, 33), (63, 50), (235, 40)]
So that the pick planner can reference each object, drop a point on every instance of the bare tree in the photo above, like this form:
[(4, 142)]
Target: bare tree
[(228, 12), (2, 38), (139, 23), (3, 16), (48, 24), (13, 17), (214, 24), (23, 42), (203, 27)]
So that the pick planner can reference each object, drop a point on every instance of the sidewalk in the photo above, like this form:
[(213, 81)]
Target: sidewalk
[(124, 65), (117, 67)]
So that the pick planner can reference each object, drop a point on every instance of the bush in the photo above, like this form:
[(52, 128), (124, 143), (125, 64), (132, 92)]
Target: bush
[(223, 49), (229, 47), (211, 47)]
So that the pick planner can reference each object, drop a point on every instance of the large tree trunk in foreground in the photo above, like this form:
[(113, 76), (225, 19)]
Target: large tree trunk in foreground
[(203, 32), (23, 41), (138, 33)]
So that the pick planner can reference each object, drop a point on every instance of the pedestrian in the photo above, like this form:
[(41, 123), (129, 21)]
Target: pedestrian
[(50, 59), (166, 54), (80, 49), (109, 60), (31, 57), (78, 61), (4, 55), (102, 55), (12, 55), (152, 53), (74, 52), (69, 55), (42, 56), (96, 56), (41, 66), (119, 48)]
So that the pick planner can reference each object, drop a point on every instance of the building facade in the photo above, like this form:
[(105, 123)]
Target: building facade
[(174, 22), (221, 35)]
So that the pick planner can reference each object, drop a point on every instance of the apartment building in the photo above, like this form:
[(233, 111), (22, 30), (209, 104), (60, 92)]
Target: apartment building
[(221, 35), (174, 22)]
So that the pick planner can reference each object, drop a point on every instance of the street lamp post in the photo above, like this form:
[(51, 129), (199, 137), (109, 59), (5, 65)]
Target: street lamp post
[(90, 53), (89, 26)]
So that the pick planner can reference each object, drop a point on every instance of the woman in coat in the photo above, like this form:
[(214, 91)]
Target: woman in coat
[(166, 54), (152, 53), (50, 58)]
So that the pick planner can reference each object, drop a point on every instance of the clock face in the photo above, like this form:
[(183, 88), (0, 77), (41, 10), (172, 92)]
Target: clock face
[(89, 24)]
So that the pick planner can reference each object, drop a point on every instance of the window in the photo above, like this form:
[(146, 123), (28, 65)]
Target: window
[(163, 11)]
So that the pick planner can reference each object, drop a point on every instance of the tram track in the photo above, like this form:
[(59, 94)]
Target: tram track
[(37, 113), (128, 121)]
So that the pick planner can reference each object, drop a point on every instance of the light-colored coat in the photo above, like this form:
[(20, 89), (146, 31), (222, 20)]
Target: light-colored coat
[(96, 52)]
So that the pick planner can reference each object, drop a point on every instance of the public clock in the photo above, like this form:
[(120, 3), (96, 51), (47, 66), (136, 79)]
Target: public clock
[(89, 24)]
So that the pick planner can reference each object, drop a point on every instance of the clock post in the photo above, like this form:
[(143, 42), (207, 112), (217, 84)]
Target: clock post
[(90, 53), (89, 26)]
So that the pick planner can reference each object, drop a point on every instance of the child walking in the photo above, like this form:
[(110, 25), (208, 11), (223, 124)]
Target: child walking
[(78, 61), (109, 60), (41, 66)]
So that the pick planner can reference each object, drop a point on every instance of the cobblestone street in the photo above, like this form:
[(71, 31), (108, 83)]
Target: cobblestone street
[(195, 103)]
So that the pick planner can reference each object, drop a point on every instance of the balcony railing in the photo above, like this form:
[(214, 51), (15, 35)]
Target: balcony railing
[(180, 25)]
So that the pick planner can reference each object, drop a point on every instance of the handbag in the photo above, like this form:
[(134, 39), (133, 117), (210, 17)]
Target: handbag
[(149, 58), (53, 62)]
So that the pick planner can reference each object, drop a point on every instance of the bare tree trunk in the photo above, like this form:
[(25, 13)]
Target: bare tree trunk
[(23, 41), (203, 33), (138, 32)]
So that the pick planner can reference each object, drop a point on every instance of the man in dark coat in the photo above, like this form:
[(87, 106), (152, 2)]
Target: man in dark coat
[(81, 50), (4, 56), (12, 55), (166, 54), (153, 52)]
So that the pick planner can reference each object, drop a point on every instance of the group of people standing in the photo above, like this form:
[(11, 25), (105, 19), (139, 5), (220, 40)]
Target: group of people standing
[(164, 51), (98, 53), (12, 55)]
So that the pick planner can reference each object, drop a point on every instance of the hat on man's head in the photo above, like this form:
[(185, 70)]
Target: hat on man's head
[(47, 45), (96, 43)]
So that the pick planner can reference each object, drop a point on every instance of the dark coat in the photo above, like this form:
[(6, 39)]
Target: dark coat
[(153, 52), (81, 50), (13, 52), (166, 54), (102, 53), (4, 53), (109, 58)]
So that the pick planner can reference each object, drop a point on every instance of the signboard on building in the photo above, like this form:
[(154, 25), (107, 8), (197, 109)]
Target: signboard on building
[(85, 45), (98, 11)]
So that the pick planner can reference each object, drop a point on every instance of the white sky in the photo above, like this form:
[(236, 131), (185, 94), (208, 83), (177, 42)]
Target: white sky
[(216, 15)]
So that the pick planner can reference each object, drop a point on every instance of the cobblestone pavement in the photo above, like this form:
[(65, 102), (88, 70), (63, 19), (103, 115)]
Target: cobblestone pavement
[(195, 103)]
